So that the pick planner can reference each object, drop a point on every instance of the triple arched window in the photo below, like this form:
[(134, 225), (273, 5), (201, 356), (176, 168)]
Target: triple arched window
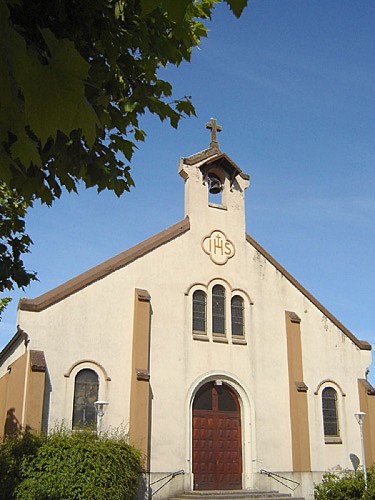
[(217, 307)]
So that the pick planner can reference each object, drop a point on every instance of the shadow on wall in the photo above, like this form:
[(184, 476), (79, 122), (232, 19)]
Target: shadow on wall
[(12, 427), (144, 492), (46, 402)]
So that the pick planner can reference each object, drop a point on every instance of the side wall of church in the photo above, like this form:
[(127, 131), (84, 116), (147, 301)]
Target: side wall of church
[(12, 389)]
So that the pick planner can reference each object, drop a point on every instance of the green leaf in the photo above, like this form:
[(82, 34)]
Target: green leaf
[(176, 9), (4, 301), (148, 6), (26, 151), (13, 60), (124, 145), (237, 6), (186, 106), (140, 135), (55, 93)]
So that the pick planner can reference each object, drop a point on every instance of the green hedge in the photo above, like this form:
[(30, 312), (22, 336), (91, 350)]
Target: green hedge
[(346, 485), (71, 466), (12, 452)]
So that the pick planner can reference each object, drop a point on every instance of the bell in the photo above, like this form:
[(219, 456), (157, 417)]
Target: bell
[(214, 184)]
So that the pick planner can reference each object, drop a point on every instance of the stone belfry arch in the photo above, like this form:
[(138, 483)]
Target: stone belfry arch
[(212, 171)]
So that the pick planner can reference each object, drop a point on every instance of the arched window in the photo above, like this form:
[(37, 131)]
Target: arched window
[(218, 309), (199, 312), (86, 390), (330, 417), (237, 315)]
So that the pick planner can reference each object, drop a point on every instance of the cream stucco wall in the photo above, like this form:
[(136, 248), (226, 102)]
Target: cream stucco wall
[(95, 326), (16, 351)]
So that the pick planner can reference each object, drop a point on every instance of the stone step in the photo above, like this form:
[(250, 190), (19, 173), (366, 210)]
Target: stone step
[(234, 495), (265, 496)]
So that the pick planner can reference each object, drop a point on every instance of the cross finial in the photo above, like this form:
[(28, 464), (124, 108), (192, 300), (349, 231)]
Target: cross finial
[(215, 128)]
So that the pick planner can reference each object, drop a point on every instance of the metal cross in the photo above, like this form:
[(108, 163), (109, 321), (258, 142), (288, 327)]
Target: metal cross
[(215, 128)]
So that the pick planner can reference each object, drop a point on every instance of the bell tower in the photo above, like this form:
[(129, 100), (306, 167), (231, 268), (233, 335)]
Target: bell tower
[(214, 188)]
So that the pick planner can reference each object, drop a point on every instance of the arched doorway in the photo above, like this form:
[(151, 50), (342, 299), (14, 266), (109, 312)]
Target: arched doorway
[(217, 457)]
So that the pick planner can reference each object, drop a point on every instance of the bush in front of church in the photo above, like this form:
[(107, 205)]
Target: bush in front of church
[(80, 466), (346, 485), (12, 452)]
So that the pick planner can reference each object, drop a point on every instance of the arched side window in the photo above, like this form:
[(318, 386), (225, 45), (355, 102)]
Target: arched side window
[(218, 310), (330, 414), (86, 389), (237, 316), (199, 312)]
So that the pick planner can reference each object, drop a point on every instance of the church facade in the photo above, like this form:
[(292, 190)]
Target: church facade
[(219, 365)]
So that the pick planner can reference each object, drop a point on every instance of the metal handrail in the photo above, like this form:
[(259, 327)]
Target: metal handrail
[(275, 476), (171, 476)]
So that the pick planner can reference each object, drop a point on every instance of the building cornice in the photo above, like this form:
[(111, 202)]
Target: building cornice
[(19, 337)]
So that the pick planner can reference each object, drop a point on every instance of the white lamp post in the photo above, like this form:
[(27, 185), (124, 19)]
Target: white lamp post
[(360, 416), (99, 406)]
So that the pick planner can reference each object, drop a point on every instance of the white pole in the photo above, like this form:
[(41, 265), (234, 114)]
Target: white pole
[(99, 406), (363, 453), (360, 416), (100, 417)]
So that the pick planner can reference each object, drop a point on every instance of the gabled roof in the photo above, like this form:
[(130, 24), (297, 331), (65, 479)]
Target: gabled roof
[(362, 344), (109, 266), (212, 156), (102, 270)]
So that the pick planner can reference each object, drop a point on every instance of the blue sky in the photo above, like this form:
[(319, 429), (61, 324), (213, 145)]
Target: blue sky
[(292, 84)]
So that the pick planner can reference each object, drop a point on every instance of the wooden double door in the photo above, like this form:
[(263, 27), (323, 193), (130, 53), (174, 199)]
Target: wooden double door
[(217, 454)]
